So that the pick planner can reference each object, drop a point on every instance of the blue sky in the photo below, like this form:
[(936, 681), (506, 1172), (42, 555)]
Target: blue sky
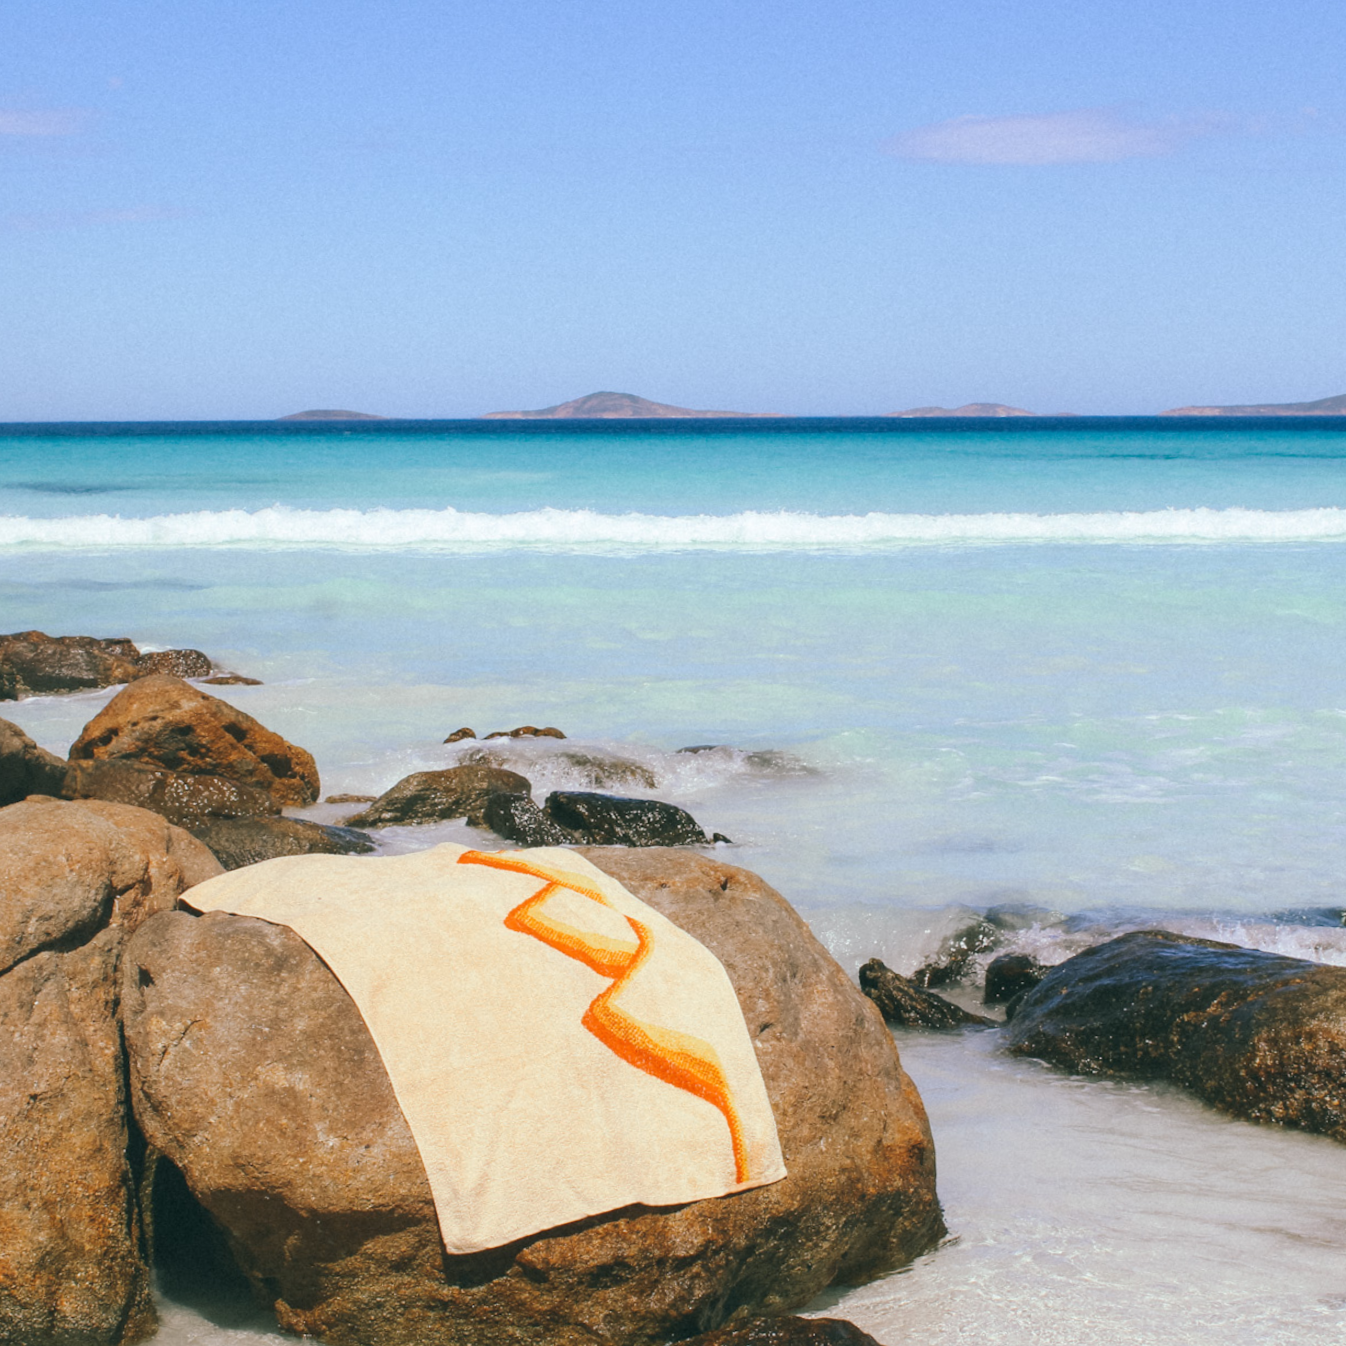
[(441, 209)]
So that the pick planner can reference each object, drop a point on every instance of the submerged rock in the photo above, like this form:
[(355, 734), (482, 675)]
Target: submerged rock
[(787, 1331), (459, 734), (26, 769), (162, 721), (431, 796), (610, 820), (901, 1001), (524, 731), (1255, 1034), (75, 880), (277, 1110), (955, 958), (186, 801), (236, 842), (597, 771), (1010, 974), (33, 663)]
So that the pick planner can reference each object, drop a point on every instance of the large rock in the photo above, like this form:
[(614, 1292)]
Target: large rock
[(254, 1073), (430, 796), (518, 819), (26, 769), (162, 721), (180, 663), (32, 663), (75, 880), (1256, 1034), (186, 801), (611, 820), (237, 842)]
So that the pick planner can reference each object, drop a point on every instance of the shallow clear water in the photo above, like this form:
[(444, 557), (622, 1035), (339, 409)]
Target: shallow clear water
[(923, 717)]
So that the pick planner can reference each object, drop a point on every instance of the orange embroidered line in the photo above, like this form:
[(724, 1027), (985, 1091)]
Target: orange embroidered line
[(679, 1059)]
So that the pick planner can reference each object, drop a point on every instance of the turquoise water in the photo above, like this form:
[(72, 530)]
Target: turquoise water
[(1093, 668)]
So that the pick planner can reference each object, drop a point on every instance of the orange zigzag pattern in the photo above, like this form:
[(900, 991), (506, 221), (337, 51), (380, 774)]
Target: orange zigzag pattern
[(678, 1059)]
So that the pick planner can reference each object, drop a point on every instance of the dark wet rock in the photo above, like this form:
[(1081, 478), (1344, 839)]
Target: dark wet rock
[(231, 680), (611, 820), (901, 1001), (277, 1110), (526, 731), (432, 796), (956, 955), (237, 842), (187, 801), (1014, 916), (178, 663), (163, 721), (26, 769), (459, 734), (350, 799), (34, 664), (1010, 974), (705, 747), (1255, 1034), (518, 819), (75, 880), (787, 1331)]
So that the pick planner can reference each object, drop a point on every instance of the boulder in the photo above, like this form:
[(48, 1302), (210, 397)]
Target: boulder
[(67, 870), (459, 734), (901, 1001), (430, 796), (526, 731), (75, 880), (787, 1331), (518, 819), (1257, 1035), (162, 721), (26, 769), (186, 801), (32, 663), (255, 1075), (610, 820), (1010, 974), (236, 842), (178, 663)]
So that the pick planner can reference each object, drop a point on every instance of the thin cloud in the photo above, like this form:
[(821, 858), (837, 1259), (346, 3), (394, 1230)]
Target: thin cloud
[(1083, 136), (53, 220), (52, 122)]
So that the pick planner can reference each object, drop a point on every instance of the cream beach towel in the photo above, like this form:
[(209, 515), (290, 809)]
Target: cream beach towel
[(558, 1048)]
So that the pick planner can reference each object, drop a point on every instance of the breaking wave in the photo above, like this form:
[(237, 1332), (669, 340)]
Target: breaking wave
[(564, 530)]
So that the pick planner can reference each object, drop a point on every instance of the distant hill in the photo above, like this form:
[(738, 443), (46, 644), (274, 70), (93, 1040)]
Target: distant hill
[(971, 409), (606, 406), (1324, 406), (332, 416)]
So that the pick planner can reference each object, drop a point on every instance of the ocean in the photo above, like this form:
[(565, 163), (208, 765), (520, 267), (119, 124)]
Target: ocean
[(1087, 673)]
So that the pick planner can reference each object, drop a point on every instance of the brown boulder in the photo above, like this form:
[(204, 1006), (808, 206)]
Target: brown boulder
[(276, 1108), (162, 721), (32, 663), (186, 801), (26, 769), (1255, 1034), (429, 796), (75, 879)]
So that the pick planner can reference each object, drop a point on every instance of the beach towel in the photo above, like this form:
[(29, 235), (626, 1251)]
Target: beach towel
[(558, 1048)]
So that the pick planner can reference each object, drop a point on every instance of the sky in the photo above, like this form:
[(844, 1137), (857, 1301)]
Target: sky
[(817, 207)]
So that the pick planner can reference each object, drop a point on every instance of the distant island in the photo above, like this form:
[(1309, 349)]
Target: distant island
[(609, 406), (331, 416), (971, 409), (1324, 406)]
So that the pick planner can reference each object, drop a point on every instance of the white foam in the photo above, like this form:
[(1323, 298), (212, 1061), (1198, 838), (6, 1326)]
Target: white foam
[(280, 526)]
